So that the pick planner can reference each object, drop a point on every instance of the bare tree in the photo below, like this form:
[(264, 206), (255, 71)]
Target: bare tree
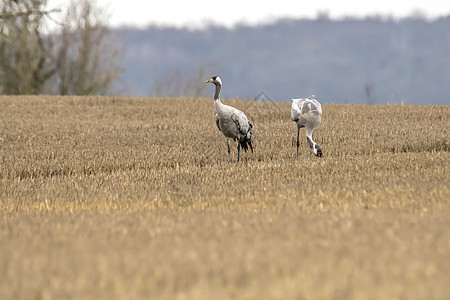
[(25, 63), (169, 87), (88, 56), (174, 85), (194, 86), (85, 60), (368, 88)]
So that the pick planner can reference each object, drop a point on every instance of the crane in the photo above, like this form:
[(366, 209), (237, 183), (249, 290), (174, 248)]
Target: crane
[(307, 113), (232, 122)]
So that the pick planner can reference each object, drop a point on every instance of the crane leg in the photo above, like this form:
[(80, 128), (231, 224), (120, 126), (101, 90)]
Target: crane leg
[(298, 142), (228, 144), (239, 149)]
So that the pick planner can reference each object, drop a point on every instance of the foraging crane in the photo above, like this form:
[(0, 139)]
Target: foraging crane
[(232, 122), (307, 113)]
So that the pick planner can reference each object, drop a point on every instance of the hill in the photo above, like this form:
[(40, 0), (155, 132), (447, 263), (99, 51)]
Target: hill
[(374, 60)]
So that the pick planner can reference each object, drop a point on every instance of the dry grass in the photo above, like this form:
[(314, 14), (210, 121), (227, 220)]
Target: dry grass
[(134, 198)]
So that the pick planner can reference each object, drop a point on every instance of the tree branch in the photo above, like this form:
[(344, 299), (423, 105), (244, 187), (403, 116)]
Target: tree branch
[(28, 13)]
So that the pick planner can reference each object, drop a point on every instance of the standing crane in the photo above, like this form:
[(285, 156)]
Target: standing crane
[(307, 113), (232, 122)]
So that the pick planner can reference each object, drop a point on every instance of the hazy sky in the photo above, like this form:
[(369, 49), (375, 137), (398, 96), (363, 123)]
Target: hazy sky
[(194, 13)]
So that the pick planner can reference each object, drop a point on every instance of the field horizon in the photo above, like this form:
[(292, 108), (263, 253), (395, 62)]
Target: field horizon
[(110, 197)]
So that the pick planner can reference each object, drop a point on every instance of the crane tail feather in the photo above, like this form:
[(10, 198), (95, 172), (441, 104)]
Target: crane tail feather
[(250, 144), (244, 145)]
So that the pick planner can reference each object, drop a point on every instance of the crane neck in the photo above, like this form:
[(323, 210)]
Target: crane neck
[(217, 93), (311, 143)]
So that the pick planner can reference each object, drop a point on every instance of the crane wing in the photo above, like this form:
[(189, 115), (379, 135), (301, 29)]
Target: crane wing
[(315, 106), (242, 123), (303, 107)]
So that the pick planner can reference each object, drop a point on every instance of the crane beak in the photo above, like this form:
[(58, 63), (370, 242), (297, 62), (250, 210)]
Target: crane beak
[(208, 81)]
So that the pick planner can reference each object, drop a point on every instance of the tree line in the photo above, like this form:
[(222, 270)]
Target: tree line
[(80, 57), (373, 60)]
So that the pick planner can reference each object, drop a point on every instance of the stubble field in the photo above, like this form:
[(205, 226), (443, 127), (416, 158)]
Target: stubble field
[(129, 198)]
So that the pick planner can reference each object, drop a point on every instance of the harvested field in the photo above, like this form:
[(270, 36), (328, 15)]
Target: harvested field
[(131, 198)]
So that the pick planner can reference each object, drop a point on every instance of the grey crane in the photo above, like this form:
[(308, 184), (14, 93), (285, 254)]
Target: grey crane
[(232, 122), (307, 113)]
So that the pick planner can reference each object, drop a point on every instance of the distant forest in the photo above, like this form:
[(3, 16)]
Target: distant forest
[(374, 60)]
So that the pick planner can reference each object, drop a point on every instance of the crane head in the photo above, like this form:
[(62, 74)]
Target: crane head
[(215, 79), (317, 151)]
